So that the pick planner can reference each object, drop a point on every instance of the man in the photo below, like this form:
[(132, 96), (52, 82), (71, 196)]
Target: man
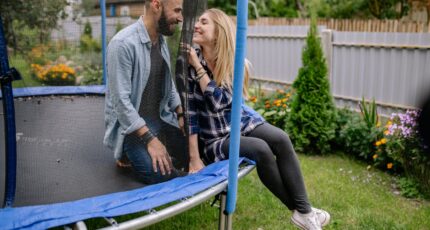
[(141, 99)]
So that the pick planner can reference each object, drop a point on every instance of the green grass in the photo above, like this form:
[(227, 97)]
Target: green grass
[(357, 198), (24, 68)]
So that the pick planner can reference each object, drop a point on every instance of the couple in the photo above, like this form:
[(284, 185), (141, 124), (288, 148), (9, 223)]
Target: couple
[(138, 63)]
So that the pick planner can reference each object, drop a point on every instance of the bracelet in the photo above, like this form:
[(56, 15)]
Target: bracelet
[(198, 70), (179, 115), (200, 76), (146, 137)]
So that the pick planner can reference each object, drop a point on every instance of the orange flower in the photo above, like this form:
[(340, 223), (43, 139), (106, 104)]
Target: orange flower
[(284, 105), (389, 165), (383, 141), (267, 106), (387, 132), (375, 156)]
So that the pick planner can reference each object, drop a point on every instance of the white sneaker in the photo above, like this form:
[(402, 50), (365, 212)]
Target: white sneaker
[(308, 221), (323, 216)]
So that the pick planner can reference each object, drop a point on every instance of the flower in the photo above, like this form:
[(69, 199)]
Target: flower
[(375, 156), (389, 165), (378, 143), (387, 132), (383, 141)]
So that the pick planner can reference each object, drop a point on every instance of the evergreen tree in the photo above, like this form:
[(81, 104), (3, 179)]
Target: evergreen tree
[(311, 120)]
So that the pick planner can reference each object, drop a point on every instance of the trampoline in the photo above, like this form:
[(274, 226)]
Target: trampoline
[(62, 174)]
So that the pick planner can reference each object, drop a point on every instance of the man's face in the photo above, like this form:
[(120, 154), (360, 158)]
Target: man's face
[(171, 15)]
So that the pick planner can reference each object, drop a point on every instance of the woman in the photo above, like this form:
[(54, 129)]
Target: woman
[(210, 99)]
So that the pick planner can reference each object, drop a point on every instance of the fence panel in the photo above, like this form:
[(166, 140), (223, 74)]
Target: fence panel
[(393, 68), (275, 51)]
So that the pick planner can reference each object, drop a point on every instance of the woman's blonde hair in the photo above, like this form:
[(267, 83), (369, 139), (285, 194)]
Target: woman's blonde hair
[(225, 44)]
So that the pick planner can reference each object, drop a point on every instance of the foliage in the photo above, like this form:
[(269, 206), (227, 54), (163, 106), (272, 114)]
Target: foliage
[(90, 66), (384, 9), (41, 15), (404, 145), (358, 139), (409, 187), (274, 107), (88, 30), (369, 112), (87, 43), (311, 123), (54, 74)]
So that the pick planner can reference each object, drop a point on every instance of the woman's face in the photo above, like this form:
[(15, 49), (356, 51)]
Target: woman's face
[(204, 31)]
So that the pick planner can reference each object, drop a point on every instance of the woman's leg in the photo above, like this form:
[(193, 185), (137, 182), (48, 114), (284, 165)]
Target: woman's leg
[(259, 151), (287, 162)]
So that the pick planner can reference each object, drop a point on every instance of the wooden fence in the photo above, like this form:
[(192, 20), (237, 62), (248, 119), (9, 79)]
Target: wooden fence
[(352, 24)]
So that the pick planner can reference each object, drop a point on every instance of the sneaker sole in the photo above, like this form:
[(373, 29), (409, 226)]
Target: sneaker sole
[(297, 224)]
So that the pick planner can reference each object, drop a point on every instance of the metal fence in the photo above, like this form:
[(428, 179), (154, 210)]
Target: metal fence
[(392, 68)]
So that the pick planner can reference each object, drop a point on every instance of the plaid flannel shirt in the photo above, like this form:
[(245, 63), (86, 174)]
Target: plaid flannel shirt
[(210, 114)]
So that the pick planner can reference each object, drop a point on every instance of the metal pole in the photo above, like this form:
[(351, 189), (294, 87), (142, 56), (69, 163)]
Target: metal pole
[(7, 75), (239, 63), (103, 9), (222, 219)]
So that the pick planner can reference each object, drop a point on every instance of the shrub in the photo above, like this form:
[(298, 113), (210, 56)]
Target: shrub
[(311, 123), (87, 43), (54, 74), (358, 138), (273, 107), (405, 145)]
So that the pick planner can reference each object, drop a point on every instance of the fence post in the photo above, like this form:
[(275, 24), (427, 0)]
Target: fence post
[(327, 45)]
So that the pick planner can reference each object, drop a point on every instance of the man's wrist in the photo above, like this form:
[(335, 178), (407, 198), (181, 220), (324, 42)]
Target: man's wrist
[(147, 137)]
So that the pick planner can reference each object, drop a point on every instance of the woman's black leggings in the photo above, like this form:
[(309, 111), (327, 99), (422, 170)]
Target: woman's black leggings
[(277, 164)]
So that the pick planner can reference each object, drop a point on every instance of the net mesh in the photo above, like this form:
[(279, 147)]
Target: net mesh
[(61, 156)]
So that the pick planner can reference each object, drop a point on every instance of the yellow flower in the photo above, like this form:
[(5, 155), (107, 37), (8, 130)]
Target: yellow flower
[(387, 132), (383, 141), (389, 165), (375, 156), (284, 100), (378, 143)]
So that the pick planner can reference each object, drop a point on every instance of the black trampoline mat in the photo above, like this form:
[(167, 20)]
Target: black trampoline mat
[(61, 156)]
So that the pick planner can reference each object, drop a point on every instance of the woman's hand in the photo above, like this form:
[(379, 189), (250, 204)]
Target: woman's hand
[(195, 165), (193, 59)]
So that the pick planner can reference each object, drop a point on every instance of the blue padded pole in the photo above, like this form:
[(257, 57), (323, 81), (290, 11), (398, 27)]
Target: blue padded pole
[(9, 121), (239, 63), (103, 9)]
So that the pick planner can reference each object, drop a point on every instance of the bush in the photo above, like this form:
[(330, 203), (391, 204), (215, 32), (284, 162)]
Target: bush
[(87, 43), (54, 74), (311, 123), (273, 107), (405, 145)]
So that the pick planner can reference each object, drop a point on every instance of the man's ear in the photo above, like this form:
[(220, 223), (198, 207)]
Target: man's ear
[(156, 4)]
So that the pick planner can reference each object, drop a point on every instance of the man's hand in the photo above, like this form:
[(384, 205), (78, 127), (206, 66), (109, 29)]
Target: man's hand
[(160, 156)]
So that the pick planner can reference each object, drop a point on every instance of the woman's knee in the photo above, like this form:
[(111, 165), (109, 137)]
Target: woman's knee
[(263, 152)]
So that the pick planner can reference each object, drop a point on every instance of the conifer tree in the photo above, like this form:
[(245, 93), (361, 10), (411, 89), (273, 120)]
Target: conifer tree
[(310, 123)]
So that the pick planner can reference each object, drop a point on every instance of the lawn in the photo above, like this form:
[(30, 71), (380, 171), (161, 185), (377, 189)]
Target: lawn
[(356, 197)]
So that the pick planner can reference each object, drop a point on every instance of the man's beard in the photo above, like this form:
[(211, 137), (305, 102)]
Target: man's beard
[(163, 26)]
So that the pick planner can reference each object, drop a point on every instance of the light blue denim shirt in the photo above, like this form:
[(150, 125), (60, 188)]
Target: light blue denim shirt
[(128, 68)]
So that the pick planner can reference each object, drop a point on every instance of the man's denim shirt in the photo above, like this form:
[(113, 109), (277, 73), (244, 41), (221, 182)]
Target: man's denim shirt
[(128, 67)]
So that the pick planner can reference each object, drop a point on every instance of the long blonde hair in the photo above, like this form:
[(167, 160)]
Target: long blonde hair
[(225, 44)]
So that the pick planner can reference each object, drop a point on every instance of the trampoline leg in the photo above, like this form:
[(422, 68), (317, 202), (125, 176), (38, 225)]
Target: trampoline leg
[(229, 223), (222, 216)]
